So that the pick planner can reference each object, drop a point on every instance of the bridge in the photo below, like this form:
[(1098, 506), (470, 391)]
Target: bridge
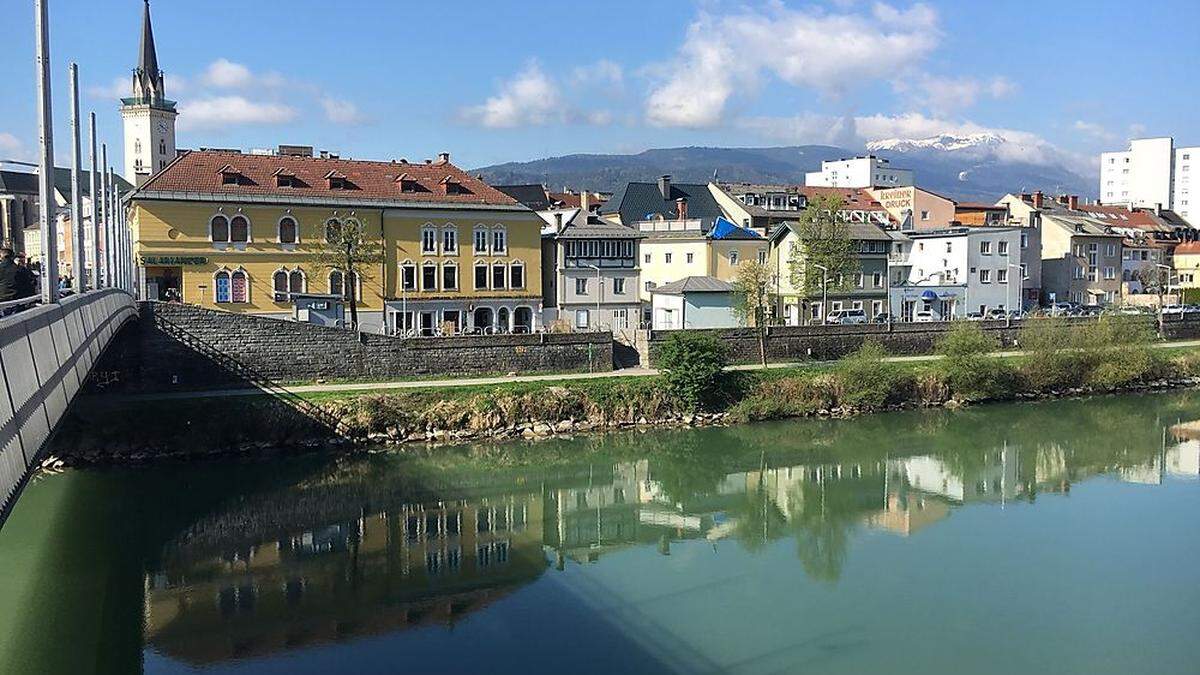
[(46, 354)]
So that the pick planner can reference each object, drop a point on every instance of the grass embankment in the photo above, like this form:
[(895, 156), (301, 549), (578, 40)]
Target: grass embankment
[(1111, 355)]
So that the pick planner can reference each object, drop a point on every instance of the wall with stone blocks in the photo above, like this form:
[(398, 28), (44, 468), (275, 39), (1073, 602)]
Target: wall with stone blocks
[(823, 343), (184, 347)]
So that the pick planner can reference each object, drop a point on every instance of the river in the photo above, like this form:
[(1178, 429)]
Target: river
[(1036, 537)]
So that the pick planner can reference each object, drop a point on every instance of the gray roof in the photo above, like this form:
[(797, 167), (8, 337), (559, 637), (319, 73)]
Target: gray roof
[(636, 201), (1080, 225), (24, 182), (598, 228), (856, 231), (531, 195), (694, 285)]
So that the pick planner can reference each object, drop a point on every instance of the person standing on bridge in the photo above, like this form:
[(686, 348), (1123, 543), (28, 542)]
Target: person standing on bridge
[(8, 275)]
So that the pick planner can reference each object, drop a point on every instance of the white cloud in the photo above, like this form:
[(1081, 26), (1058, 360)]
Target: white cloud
[(830, 52), (219, 112), (945, 95), (604, 74), (1094, 130), (11, 147), (339, 111), (1012, 144), (226, 74), (529, 99)]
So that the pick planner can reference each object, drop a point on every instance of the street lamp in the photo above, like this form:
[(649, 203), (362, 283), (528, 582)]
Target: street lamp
[(824, 291)]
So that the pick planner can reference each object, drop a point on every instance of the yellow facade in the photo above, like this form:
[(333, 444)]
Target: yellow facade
[(665, 260), (1187, 270), (173, 238)]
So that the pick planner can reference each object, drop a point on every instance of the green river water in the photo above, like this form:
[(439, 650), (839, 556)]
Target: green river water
[(1056, 537)]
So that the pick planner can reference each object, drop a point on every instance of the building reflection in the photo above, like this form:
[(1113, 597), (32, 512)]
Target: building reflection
[(351, 556)]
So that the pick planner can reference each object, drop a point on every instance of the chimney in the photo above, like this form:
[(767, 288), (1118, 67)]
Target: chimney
[(558, 222), (681, 208), (324, 154), (1073, 202), (1158, 208), (664, 186), (443, 158), (1038, 199), (585, 201)]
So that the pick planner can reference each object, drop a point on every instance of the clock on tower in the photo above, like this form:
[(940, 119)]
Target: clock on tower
[(148, 115)]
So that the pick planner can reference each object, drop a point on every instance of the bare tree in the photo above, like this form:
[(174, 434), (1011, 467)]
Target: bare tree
[(754, 301), (350, 250), (824, 242)]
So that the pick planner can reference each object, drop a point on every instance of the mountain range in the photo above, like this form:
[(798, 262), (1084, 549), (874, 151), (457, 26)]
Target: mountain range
[(967, 167)]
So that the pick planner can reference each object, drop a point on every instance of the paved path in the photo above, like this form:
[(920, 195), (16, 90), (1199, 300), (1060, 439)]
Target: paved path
[(469, 381)]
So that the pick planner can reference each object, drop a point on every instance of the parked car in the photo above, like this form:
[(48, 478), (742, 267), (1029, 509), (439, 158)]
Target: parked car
[(974, 316), (1173, 310), (1061, 309), (847, 316), (996, 313), (883, 317), (924, 316)]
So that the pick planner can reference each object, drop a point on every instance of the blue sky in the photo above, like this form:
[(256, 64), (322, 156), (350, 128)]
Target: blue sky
[(499, 81)]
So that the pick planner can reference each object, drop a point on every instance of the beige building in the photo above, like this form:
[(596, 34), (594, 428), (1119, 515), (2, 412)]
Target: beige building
[(1081, 260), (677, 249)]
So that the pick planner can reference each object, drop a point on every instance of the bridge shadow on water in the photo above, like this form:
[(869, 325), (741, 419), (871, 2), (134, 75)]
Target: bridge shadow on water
[(476, 558)]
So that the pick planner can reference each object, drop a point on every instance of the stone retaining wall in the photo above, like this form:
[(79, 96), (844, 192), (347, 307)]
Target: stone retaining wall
[(823, 343), (185, 347)]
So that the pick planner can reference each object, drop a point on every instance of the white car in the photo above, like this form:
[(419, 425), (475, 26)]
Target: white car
[(924, 316), (847, 316)]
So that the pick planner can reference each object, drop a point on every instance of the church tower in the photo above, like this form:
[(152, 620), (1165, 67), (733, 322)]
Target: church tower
[(148, 116)]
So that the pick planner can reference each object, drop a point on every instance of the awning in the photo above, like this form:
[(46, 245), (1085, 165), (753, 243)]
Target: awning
[(929, 295)]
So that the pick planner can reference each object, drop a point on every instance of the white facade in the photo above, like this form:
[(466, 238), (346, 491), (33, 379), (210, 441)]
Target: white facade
[(149, 140), (1187, 163), (955, 272), (1152, 172), (859, 172)]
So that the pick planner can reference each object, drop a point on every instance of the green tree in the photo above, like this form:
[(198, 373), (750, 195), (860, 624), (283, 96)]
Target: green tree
[(970, 369), (692, 363), (754, 300), (824, 241), (351, 250)]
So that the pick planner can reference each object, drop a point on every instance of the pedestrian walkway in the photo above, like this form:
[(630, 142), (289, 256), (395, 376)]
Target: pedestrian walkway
[(513, 379)]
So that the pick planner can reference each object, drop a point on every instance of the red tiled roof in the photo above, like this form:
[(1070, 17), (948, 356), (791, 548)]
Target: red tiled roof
[(573, 200), (1119, 216), (855, 198), (200, 171), (1188, 248)]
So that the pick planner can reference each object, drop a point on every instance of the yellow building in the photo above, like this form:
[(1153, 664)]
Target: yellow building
[(677, 249), (1187, 266), (247, 233)]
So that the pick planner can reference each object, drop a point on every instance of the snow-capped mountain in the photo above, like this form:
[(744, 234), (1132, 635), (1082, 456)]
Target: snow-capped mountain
[(947, 142)]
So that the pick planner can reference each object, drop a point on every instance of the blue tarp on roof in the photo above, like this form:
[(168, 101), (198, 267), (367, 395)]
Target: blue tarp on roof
[(724, 229)]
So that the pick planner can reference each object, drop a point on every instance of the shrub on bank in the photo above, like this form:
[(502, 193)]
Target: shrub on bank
[(970, 372), (864, 380), (692, 364)]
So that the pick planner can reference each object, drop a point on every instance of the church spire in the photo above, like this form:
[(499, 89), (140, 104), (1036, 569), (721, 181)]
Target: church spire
[(147, 78)]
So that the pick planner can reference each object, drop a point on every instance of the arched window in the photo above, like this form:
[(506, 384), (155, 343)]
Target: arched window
[(296, 281), (450, 240), (499, 240), (428, 239), (450, 277), (481, 274), (279, 281), (516, 275), (289, 233), (481, 240), (239, 286), (429, 273), (408, 276), (221, 286), (333, 229), (499, 271), (239, 229), (218, 229), (342, 285)]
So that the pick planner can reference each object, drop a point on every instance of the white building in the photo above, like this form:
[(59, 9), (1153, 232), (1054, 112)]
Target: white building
[(859, 172), (148, 116), (1152, 172), (956, 271)]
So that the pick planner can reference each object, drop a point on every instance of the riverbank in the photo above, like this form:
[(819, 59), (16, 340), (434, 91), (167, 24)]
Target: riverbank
[(967, 372)]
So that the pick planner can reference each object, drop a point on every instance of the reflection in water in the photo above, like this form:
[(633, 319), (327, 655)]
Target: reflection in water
[(383, 545)]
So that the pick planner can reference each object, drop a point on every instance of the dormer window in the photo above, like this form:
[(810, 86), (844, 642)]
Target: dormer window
[(451, 186), (230, 175), (407, 183), (285, 178), (336, 179)]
